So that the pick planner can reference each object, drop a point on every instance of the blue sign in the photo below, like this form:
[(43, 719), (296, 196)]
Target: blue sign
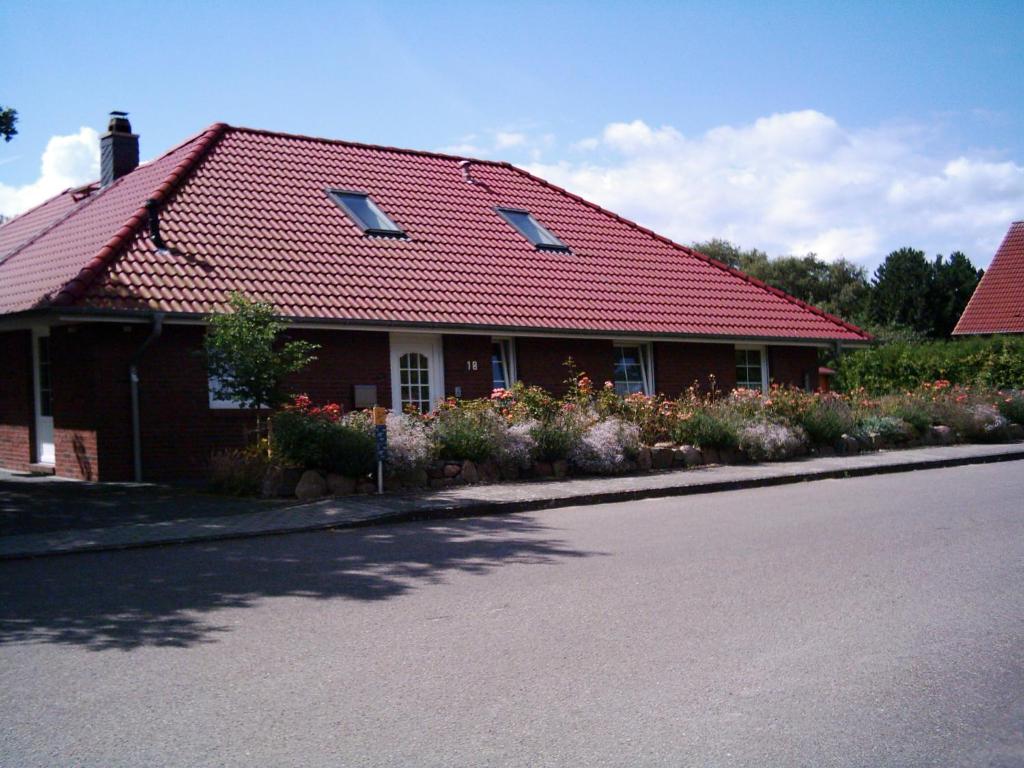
[(382, 442)]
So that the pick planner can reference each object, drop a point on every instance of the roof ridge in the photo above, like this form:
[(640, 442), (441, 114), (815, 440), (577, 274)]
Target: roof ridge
[(697, 254), (75, 288), (79, 205), (365, 145)]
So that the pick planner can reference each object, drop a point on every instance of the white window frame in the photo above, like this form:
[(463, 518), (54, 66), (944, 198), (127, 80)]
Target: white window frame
[(646, 362), (45, 444), (508, 359), (764, 361)]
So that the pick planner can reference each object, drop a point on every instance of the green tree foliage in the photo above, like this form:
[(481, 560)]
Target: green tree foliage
[(953, 285), (902, 291), (245, 357), (8, 120)]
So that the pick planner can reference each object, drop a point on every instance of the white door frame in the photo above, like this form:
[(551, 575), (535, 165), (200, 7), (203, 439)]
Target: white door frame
[(430, 345), (45, 449)]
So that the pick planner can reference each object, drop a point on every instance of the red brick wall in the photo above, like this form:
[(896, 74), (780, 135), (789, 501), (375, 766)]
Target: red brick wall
[(678, 365), (540, 361), (462, 349), (790, 365), (17, 420)]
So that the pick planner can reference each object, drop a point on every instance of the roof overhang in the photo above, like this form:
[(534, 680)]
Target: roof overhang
[(33, 317)]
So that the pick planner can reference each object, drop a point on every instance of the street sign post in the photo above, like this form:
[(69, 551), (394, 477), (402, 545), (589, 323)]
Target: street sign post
[(380, 426)]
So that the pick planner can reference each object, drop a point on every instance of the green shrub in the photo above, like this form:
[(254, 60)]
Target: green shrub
[(239, 472), (990, 362), (826, 421), (706, 429), (467, 432), (316, 442), (1012, 406), (913, 412), (890, 428), (554, 439), (979, 423)]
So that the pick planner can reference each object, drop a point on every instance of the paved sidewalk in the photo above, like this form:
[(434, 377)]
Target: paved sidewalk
[(469, 500)]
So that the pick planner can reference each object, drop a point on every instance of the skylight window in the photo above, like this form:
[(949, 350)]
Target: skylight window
[(527, 226), (365, 213)]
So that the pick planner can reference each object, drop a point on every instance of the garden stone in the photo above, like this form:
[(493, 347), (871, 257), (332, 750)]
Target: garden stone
[(311, 486), (711, 456), (543, 469), (727, 455), (560, 468), (435, 470), (339, 485), (469, 472), (692, 456), (679, 456), (661, 456), (488, 471), (643, 459), (847, 445), (940, 435), (280, 482), (1015, 432), (452, 470), (825, 450), (438, 483)]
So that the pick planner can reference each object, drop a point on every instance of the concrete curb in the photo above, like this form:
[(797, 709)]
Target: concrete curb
[(442, 509)]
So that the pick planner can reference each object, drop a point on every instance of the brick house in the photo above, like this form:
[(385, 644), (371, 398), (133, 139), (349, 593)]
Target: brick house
[(997, 304), (420, 275)]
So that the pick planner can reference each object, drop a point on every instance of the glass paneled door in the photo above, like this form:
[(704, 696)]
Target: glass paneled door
[(416, 372), (43, 387)]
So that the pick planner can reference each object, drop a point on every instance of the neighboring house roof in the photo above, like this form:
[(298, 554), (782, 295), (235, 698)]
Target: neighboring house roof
[(247, 210), (997, 305)]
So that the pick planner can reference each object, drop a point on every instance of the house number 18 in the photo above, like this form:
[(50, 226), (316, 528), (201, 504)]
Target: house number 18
[(471, 365)]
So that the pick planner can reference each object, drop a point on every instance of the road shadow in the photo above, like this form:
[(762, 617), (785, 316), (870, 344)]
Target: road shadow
[(170, 596), (45, 504)]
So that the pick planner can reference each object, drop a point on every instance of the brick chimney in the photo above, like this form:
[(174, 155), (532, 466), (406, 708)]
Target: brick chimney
[(119, 149)]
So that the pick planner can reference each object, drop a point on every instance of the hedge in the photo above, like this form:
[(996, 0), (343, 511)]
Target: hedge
[(996, 362)]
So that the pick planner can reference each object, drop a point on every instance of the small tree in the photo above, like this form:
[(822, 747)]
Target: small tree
[(244, 359), (8, 119)]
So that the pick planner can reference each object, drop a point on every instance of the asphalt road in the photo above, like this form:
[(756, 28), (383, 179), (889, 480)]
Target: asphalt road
[(864, 622)]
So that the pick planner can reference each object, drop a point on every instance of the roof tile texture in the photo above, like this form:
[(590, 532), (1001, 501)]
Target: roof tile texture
[(997, 305), (252, 214)]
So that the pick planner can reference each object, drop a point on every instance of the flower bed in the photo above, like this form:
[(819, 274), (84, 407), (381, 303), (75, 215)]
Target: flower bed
[(527, 432)]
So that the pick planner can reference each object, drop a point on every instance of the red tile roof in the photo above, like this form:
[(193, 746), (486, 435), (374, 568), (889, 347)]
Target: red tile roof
[(247, 210), (997, 305)]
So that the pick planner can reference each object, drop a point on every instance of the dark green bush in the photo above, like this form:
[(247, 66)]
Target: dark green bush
[(1012, 406), (315, 442), (916, 414), (467, 433), (554, 439), (991, 362), (706, 429), (826, 421), (238, 472)]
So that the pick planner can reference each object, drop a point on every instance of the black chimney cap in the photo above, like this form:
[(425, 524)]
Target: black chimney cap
[(119, 122)]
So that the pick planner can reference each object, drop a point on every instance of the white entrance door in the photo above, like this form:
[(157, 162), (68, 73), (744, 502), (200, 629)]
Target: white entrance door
[(417, 371), (43, 395)]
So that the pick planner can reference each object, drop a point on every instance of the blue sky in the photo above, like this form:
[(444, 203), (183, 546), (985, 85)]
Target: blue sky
[(848, 129)]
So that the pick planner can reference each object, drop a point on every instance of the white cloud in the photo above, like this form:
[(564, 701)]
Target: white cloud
[(67, 161), (799, 182), (504, 139)]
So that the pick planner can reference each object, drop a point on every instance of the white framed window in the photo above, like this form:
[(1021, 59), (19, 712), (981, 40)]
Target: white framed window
[(751, 368), (414, 378), (503, 363), (218, 403), (633, 369)]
